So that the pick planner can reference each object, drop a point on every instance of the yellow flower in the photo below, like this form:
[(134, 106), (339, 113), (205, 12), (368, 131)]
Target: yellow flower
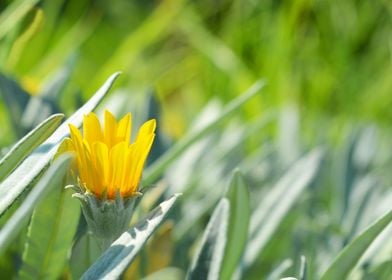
[(106, 161)]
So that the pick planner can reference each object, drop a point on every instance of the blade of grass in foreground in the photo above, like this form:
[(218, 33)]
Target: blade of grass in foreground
[(47, 247), (350, 255), (208, 260), (157, 168), (52, 178), (28, 143), (237, 233), (33, 165)]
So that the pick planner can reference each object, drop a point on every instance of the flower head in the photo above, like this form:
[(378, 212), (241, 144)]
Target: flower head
[(106, 161)]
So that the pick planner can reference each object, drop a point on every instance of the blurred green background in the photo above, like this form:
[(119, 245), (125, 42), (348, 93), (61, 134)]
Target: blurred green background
[(328, 68), (332, 59)]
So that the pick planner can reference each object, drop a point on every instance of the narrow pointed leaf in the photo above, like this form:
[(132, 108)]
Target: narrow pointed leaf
[(208, 259), (55, 221), (28, 143), (52, 178), (278, 202), (33, 165), (121, 253), (237, 233), (350, 255)]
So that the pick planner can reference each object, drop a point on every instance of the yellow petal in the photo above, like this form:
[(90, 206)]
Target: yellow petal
[(83, 157), (101, 160), (124, 129), (117, 161), (127, 186), (146, 129), (110, 130), (75, 133), (92, 180), (65, 146), (141, 150), (105, 160), (92, 131), (146, 146), (78, 146)]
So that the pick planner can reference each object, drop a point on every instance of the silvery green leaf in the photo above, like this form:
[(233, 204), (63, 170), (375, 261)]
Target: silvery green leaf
[(28, 143), (51, 179), (208, 260), (54, 220), (237, 233), (350, 255)]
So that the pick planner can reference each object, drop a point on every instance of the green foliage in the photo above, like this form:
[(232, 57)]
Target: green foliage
[(13, 14), (28, 143), (208, 259), (15, 101), (238, 224), (278, 202), (85, 252), (350, 255), (54, 221), (50, 180), (159, 166), (313, 149)]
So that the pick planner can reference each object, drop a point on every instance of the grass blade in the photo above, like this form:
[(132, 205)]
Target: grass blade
[(208, 260), (52, 178), (122, 251), (33, 165), (350, 255), (237, 233), (50, 235), (28, 143)]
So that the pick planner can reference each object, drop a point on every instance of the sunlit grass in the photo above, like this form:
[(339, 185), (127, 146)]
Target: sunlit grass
[(190, 65)]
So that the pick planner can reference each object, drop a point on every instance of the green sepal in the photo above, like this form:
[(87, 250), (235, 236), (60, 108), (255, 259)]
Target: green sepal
[(106, 218)]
